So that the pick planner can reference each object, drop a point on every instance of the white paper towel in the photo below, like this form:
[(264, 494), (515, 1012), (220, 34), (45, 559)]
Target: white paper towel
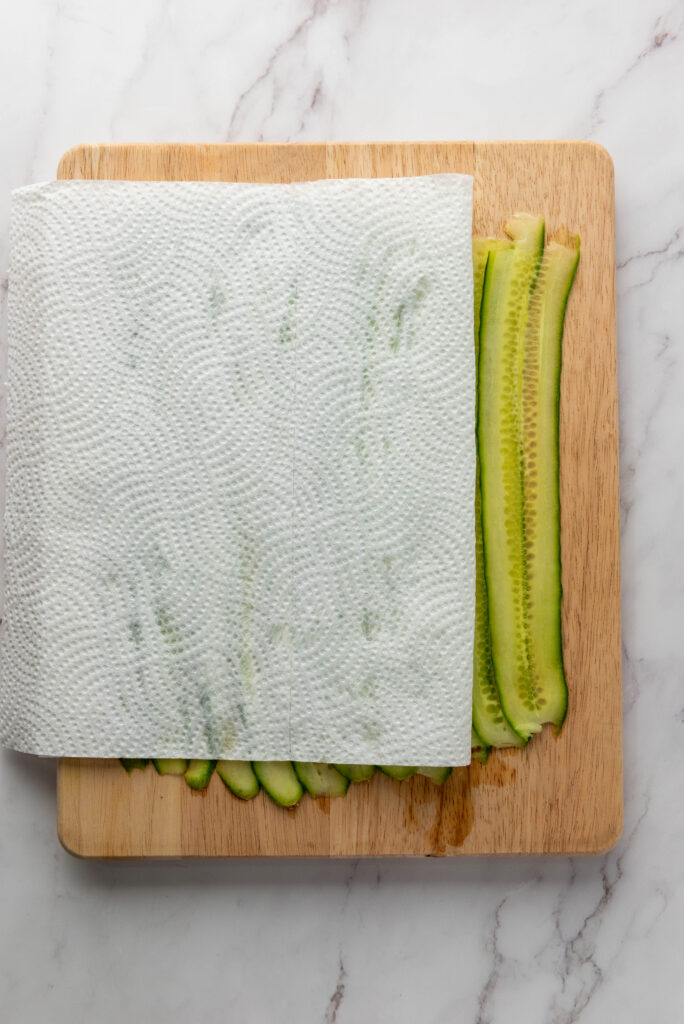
[(241, 464)]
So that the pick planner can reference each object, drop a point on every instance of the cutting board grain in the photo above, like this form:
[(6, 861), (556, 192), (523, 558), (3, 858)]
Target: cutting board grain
[(560, 795)]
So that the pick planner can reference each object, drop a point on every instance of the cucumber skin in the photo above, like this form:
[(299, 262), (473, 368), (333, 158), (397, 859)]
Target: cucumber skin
[(170, 765), (478, 747), (199, 773), (240, 781), (399, 772), (265, 771), (320, 779), (356, 772), (131, 763)]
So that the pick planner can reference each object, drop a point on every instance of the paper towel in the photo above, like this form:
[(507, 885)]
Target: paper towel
[(241, 464)]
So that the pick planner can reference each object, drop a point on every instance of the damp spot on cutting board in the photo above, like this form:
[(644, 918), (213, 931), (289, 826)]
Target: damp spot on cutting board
[(500, 770), (452, 807)]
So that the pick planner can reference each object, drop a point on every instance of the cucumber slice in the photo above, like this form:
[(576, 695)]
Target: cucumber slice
[(399, 772), (436, 775), (198, 773), (321, 779), (239, 777), (489, 722), (280, 781), (170, 765), (356, 772), (509, 280), (131, 763), (540, 432)]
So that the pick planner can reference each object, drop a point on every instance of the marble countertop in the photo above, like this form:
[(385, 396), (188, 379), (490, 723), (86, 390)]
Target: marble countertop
[(384, 942)]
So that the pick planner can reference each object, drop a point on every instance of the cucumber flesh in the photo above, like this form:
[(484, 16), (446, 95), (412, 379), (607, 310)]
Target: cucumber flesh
[(540, 430), (321, 779), (131, 763), (436, 775), (170, 765), (280, 781), (356, 772), (399, 772), (489, 723), (199, 772), (508, 284), (239, 777)]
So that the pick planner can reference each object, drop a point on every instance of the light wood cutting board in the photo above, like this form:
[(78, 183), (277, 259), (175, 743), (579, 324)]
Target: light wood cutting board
[(560, 795)]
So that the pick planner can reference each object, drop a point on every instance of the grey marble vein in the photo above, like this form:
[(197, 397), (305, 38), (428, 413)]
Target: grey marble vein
[(490, 985), (336, 998), (271, 88), (660, 36)]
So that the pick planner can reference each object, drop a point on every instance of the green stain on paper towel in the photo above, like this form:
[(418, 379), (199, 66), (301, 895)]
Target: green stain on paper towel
[(248, 570), (226, 736), (370, 624), (404, 314), (217, 302), (167, 629)]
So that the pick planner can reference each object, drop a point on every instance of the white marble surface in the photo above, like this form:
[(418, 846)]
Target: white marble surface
[(498, 942)]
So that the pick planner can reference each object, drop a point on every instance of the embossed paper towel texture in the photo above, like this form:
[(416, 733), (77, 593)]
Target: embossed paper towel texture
[(240, 471)]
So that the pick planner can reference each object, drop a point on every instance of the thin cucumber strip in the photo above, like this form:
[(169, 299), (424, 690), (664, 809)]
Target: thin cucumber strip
[(396, 771), (540, 433), (479, 751), (510, 277), (489, 723), (481, 754), (356, 772), (170, 765), (321, 779), (239, 778), (436, 775), (131, 763), (199, 772), (280, 781)]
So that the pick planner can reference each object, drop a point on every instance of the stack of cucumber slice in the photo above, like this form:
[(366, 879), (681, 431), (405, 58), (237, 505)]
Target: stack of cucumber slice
[(284, 781), (521, 289), (521, 294)]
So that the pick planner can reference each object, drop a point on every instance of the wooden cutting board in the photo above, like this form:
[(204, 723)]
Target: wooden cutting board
[(560, 795)]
